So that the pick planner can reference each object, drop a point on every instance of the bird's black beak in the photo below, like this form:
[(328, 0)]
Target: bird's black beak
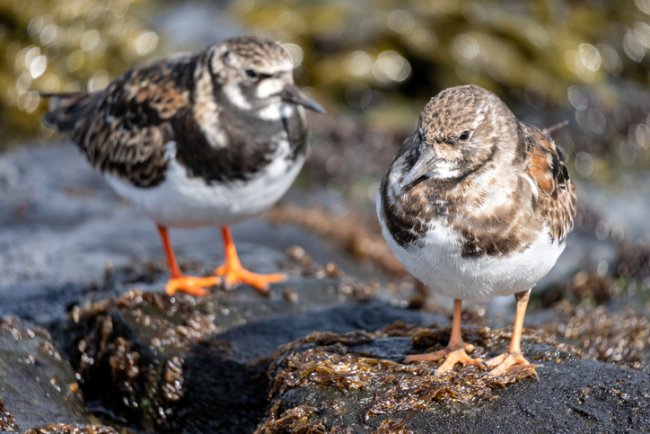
[(293, 95), (422, 167)]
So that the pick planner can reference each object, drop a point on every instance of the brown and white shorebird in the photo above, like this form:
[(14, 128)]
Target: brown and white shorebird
[(197, 140), (477, 204)]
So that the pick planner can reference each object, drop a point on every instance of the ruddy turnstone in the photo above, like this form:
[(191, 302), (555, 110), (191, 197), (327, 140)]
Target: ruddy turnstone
[(477, 204), (197, 140)]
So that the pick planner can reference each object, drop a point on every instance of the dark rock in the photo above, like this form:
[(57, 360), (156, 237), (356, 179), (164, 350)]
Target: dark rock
[(346, 383), (37, 385), (184, 363), (238, 365)]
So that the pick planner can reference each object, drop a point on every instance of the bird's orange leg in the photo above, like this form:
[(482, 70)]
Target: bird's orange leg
[(456, 351), (505, 361), (233, 272), (178, 281)]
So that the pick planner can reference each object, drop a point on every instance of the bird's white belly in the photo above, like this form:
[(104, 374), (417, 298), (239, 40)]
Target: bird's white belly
[(437, 261), (180, 201)]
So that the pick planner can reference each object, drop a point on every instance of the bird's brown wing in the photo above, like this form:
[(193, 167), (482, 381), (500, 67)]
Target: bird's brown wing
[(556, 196), (124, 128)]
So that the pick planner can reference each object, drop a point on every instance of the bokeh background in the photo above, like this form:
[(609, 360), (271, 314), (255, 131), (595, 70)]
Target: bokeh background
[(374, 64)]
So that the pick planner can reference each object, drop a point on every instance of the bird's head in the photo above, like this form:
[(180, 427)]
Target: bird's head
[(460, 130), (255, 74)]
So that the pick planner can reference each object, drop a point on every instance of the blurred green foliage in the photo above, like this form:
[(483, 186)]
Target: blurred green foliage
[(540, 47), (51, 45), (586, 61)]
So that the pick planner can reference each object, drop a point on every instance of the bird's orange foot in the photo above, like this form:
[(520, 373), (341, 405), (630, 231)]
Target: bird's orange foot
[(237, 274), (191, 285), (451, 355), (501, 364)]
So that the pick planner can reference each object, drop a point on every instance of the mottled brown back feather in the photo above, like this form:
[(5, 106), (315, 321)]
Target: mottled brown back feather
[(123, 128)]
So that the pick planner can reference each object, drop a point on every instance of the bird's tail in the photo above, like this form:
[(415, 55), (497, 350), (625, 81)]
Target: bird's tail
[(64, 109)]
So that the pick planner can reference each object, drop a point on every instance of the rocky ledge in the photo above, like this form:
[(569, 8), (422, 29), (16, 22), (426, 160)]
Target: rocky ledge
[(156, 364), (197, 365), (357, 383), (218, 365)]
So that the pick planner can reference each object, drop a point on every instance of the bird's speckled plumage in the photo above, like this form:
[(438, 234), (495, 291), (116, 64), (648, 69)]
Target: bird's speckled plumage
[(197, 140), (206, 104), (476, 204), (492, 188)]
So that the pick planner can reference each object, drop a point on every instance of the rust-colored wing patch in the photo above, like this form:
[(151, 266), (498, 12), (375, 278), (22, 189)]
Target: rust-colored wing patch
[(556, 198), (545, 161)]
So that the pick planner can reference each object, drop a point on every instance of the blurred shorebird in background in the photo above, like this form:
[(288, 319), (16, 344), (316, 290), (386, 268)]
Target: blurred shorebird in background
[(197, 140)]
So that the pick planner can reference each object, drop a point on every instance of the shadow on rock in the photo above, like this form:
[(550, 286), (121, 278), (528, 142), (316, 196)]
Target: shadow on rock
[(227, 385)]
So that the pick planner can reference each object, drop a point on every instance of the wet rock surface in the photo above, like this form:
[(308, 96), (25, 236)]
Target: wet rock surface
[(66, 238), (356, 383), (37, 384)]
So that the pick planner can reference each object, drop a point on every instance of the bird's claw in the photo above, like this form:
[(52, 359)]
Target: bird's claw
[(501, 364), (236, 274), (451, 356), (191, 285)]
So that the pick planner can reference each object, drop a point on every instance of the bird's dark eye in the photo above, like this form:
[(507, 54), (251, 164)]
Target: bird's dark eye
[(251, 73), (464, 136)]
